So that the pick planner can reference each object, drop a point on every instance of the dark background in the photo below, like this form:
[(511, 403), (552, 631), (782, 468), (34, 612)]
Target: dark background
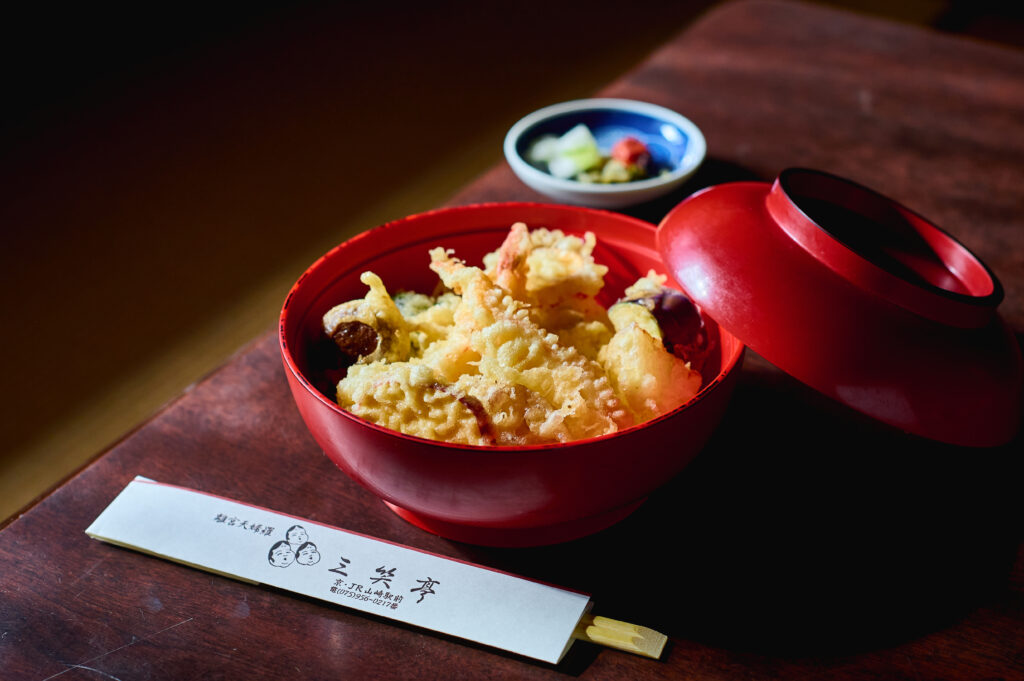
[(149, 226)]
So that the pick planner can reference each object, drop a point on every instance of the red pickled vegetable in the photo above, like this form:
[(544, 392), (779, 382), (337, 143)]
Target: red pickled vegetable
[(631, 152)]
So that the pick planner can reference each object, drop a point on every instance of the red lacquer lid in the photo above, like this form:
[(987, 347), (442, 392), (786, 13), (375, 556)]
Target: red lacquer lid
[(856, 296)]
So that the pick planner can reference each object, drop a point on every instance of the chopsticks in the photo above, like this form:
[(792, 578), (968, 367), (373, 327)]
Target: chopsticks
[(631, 638)]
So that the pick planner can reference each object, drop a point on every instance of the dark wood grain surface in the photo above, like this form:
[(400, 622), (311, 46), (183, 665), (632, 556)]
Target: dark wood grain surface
[(804, 542)]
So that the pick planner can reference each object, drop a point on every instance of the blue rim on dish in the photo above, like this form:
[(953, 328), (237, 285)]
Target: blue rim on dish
[(673, 140)]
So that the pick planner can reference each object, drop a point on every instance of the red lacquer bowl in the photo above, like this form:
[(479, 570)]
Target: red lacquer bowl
[(856, 296), (501, 496)]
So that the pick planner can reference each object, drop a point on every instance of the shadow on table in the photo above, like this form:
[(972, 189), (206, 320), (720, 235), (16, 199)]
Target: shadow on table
[(802, 529)]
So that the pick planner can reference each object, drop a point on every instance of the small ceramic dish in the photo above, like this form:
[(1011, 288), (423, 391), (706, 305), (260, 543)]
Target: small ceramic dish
[(676, 146)]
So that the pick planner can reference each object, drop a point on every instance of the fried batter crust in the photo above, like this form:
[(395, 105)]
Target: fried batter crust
[(518, 353)]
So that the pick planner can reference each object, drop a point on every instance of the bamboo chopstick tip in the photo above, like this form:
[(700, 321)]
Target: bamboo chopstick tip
[(621, 636)]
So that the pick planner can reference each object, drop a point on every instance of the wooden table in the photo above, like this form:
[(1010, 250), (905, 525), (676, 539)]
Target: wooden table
[(805, 542)]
